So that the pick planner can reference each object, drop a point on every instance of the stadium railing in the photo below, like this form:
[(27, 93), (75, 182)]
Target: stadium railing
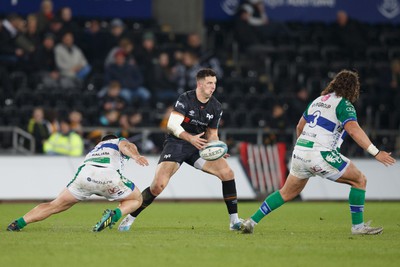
[(18, 141)]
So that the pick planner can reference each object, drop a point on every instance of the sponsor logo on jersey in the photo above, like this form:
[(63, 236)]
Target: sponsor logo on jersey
[(197, 122), (191, 113), (209, 116), (179, 104), (167, 156), (321, 105), (325, 97), (309, 134), (101, 153)]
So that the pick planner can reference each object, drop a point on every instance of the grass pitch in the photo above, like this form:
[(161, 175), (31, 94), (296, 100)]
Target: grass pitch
[(196, 234)]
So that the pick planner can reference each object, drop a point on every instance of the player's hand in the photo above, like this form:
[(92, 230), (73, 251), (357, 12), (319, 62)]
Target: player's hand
[(197, 141), (141, 160), (385, 158)]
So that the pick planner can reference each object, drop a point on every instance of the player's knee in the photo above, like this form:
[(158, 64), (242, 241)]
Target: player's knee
[(361, 181), (226, 174), (139, 199), (157, 188)]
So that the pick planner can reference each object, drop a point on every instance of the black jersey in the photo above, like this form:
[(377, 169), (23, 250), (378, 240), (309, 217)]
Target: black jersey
[(198, 116)]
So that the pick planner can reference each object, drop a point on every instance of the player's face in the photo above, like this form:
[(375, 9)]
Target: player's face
[(207, 86)]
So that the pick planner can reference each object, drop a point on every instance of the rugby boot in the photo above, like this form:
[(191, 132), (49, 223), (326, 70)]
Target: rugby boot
[(13, 227), (126, 223), (247, 227), (236, 226), (106, 221), (367, 230)]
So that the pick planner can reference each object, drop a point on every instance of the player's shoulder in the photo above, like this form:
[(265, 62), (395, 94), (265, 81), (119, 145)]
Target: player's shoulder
[(215, 103), (190, 94)]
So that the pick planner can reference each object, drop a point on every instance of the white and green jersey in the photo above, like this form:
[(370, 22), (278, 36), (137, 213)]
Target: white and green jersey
[(326, 117), (107, 154)]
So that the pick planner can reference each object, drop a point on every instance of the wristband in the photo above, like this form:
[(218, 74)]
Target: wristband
[(372, 150)]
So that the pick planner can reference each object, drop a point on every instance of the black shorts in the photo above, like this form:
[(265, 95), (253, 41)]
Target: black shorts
[(179, 151)]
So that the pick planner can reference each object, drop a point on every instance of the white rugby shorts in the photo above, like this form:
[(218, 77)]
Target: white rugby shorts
[(100, 181), (326, 164)]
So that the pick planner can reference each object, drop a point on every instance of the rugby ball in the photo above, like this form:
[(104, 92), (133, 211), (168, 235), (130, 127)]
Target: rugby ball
[(214, 150)]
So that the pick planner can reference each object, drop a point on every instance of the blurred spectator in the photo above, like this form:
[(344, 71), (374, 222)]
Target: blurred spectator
[(395, 71), (147, 55), (30, 39), (55, 27), (254, 27), (68, 24), (45, 15), (349, 34), (297, 105), (124, 126), (65, 142), (43, 63), (194, 44), (129, 77), (9, 30), (207, 58), (278, 123), (112, 101), (117, 32), (165, 118), (127, 47), (38, 127), (186, 71), (52, 118), (71, 62), (244, 32), (94, 44), (75, 118), (127, 122), (163, 83)]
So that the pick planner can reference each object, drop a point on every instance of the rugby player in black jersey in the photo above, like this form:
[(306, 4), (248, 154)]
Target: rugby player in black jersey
[(192, 123)]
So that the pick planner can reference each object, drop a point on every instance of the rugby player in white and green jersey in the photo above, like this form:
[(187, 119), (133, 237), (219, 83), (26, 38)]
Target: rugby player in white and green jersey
[(320, 133), (99, 174)]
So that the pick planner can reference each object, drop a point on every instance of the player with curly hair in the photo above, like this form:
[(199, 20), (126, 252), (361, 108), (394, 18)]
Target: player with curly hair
[(320, 132)]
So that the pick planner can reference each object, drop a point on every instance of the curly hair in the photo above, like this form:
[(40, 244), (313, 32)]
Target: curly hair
[(345, 84)]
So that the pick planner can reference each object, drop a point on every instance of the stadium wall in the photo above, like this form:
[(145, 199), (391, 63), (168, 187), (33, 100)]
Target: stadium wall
[(43, 177)]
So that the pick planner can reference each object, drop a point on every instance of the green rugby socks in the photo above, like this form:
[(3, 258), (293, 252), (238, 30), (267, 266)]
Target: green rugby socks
[(271, 203), (21, 222), (117, 216), (356, 201)]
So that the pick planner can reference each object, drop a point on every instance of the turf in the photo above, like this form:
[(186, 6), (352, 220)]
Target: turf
[(196, 234)]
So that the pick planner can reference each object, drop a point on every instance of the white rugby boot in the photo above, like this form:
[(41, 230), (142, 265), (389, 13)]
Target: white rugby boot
[(366, 230)]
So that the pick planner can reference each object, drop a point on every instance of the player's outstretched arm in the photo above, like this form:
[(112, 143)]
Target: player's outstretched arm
[(130, 150), (361, 138)]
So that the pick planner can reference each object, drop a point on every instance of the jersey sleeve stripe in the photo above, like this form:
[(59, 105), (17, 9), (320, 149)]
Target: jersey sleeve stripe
[(349, 119), (112, 146)]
